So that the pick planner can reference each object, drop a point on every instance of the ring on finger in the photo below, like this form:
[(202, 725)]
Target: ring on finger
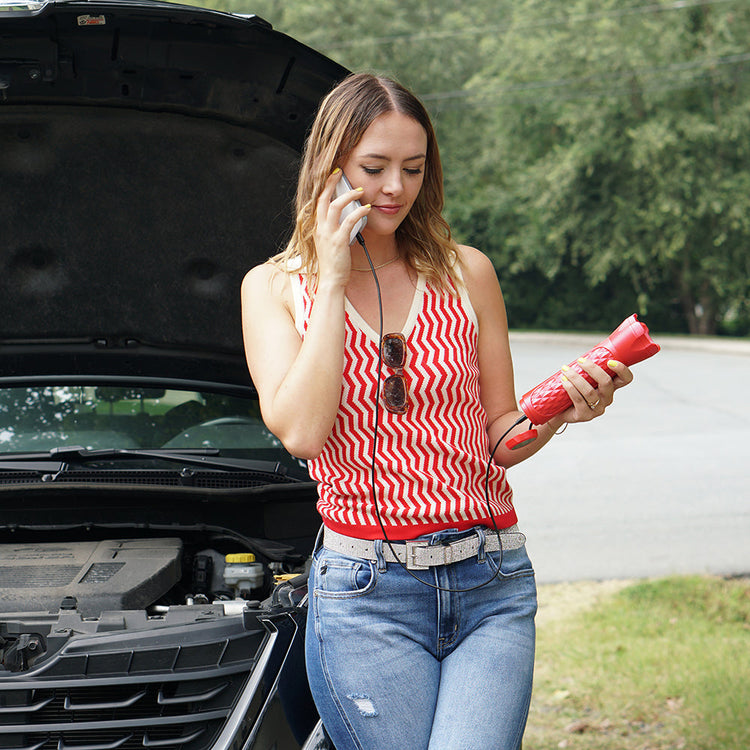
[(594, 405)]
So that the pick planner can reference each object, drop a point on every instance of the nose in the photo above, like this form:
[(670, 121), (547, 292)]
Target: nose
[(393, 184)]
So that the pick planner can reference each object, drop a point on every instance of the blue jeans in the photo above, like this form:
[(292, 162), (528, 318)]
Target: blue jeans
[(396, 665)]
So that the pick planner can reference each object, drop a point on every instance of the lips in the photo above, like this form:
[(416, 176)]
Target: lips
[(388, 209)]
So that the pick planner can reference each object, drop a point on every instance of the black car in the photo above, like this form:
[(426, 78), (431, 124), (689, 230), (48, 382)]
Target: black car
[(154, 535)]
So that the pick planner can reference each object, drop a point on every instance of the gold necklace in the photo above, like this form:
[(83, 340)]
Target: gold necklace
[(382, 265)]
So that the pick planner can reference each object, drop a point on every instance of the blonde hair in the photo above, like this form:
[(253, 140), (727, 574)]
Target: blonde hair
[(424, 237)]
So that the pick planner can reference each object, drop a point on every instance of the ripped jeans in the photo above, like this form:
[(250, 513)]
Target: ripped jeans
[(396, 665)]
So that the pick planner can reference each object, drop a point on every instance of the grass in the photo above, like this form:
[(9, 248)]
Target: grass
[(657, 665)]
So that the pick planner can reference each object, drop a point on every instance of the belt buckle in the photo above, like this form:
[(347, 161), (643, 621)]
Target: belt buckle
[(411, 554)]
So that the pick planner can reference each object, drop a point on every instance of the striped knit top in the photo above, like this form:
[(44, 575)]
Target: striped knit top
[(431, 462)]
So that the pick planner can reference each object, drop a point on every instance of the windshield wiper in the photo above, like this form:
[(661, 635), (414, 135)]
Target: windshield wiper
[(207, 457)]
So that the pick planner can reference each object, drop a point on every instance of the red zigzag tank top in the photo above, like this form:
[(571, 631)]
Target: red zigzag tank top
[(431, 462)]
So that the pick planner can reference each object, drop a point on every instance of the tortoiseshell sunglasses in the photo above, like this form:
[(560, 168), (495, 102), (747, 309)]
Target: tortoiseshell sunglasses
[(395, 392)]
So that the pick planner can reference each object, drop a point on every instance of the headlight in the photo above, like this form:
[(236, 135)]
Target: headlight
[(18, 7)]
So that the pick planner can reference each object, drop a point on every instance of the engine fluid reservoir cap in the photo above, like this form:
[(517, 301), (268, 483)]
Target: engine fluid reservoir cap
[(240, 557)]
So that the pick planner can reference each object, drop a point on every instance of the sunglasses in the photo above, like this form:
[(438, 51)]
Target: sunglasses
[(393, 353)]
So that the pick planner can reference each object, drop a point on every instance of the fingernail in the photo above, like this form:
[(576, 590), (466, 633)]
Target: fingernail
[(368, 205), (565, 368), (612, 363), (360, 190), (562, 377), (337, 170), (582, 360)]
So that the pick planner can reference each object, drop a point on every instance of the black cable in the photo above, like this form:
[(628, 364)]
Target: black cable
[(373, 464)]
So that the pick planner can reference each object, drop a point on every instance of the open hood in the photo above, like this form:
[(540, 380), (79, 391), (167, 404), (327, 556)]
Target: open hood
[(148, 156)]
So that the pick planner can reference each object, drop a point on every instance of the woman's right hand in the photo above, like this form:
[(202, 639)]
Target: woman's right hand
[(331, 234)]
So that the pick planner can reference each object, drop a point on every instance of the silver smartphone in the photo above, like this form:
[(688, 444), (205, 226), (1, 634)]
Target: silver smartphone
[(344, 186)]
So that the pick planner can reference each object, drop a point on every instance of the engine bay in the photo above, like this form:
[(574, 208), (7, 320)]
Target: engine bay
[(52, 592)]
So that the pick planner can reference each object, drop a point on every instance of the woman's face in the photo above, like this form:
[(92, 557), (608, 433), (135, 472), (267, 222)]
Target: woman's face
[(389, 163)]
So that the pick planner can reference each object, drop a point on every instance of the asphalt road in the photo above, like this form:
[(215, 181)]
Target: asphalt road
[(660, 484)]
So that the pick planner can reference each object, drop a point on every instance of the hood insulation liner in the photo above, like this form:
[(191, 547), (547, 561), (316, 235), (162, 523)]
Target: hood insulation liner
[(139, 225)]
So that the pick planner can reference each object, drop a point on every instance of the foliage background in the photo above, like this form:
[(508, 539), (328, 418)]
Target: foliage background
[(596, 150)]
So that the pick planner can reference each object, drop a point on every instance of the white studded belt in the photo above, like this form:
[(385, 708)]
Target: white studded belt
[(421, 554)]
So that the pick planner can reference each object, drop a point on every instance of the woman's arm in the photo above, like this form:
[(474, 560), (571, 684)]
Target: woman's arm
[(497, 386), (299, 381)]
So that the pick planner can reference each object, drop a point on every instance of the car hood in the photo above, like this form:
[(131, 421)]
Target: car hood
[(148, 154)]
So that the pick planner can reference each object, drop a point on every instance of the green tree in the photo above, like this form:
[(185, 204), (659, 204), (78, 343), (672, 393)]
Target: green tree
[(617, 146)]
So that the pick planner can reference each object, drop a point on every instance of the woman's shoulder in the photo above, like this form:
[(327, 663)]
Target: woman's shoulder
[(267, 281), (261, 274), (480, 279), (475, 265)]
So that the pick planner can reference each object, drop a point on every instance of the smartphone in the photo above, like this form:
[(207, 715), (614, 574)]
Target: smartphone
[(344, 186)]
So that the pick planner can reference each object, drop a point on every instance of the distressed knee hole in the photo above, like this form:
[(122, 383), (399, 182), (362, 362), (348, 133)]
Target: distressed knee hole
[(364, 705)]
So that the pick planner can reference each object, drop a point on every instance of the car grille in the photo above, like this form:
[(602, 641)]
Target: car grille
[(90, 697)]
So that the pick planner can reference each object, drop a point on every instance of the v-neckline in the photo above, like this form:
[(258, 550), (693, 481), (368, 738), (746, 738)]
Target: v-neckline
[(411, 317)]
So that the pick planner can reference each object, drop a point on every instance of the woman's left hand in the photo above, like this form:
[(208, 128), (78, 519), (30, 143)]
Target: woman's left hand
[(590, 401)]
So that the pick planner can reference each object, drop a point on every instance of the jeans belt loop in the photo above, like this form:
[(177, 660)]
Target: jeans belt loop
[(380, 558), (481, 557)]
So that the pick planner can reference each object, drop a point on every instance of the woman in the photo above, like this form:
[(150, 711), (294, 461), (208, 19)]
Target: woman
[(410, 645)]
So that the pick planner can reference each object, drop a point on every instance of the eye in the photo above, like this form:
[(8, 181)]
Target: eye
[(413, 170), (371, 170)]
